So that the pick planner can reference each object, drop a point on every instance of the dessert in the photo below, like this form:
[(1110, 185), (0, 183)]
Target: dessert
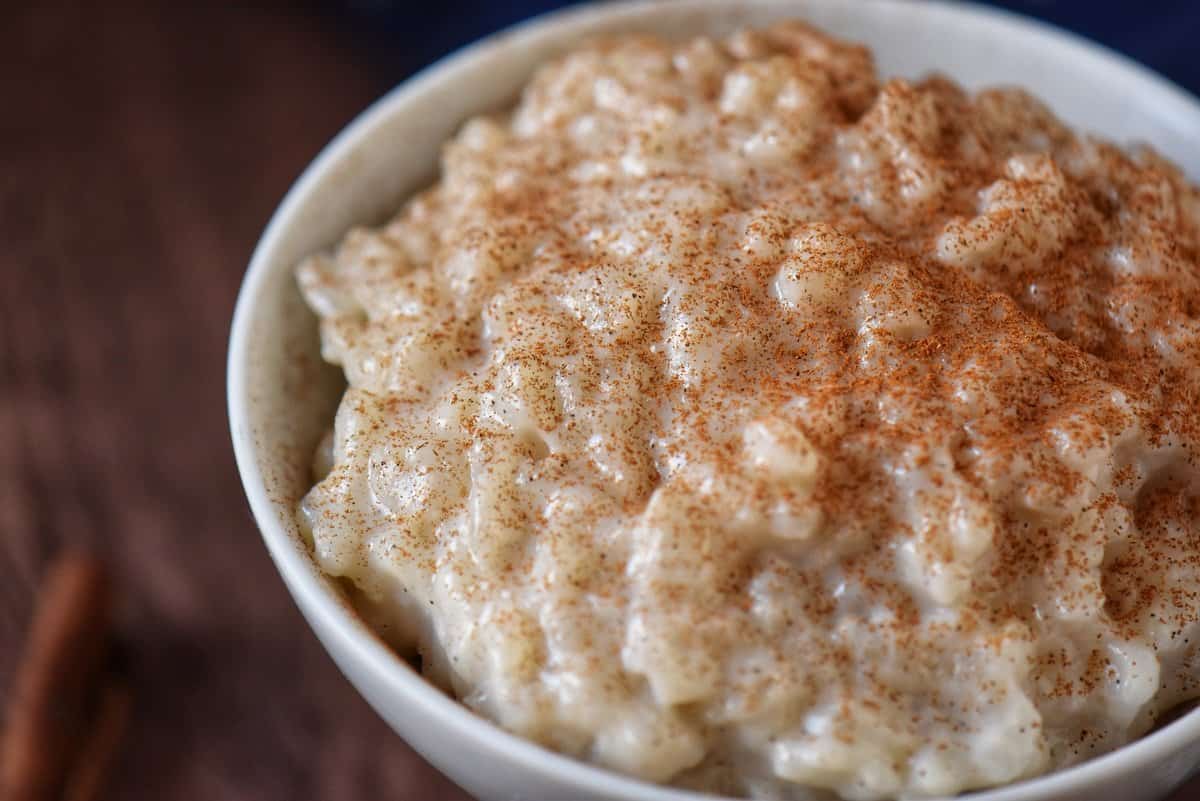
[(731, 417)]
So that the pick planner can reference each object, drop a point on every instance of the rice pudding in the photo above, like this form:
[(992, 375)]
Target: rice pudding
[(733, 418)]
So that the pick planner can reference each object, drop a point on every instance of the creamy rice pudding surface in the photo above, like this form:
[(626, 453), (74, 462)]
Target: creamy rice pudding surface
[(731, 418)]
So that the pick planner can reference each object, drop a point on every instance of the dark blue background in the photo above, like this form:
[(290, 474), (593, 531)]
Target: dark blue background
[(1162, 34)]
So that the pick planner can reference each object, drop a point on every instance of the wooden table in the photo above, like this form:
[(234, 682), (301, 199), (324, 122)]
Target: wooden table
[(141, 152)]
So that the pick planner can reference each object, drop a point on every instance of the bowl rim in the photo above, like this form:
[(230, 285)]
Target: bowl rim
[(363, 646)]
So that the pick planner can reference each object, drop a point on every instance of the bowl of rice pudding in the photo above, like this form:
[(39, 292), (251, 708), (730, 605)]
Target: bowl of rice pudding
[(751, 400)]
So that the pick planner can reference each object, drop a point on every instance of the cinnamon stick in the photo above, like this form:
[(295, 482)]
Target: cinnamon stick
[(64, 658), (99, 750)]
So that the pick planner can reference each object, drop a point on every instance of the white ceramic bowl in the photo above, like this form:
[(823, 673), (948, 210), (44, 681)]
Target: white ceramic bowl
[(281, 397)]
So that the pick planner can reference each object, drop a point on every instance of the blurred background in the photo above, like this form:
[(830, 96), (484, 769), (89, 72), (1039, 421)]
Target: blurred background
[(142, 148)]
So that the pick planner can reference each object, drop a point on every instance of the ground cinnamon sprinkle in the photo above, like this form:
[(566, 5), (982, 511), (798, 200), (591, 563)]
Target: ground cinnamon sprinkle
[(732, 418)]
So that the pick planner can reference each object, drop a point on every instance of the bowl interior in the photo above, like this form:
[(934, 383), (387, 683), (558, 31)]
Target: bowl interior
[(281, 395)]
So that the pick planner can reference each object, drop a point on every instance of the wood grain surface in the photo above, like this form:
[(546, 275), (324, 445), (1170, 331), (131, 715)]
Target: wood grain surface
[(142, 149)]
